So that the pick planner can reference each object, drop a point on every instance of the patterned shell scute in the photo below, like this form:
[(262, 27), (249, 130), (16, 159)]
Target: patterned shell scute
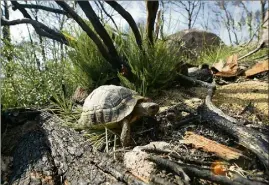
[(107, 104)]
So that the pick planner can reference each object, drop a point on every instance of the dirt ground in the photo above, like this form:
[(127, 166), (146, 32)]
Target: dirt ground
[(246, 101), (232, 98), (236, 96)]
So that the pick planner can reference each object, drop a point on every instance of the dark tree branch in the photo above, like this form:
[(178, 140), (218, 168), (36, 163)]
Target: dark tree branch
[(90, 33), (127, 16), (99, 28), (17, 6), (40, 28), (152, 8), (40, 7), (107, 14)]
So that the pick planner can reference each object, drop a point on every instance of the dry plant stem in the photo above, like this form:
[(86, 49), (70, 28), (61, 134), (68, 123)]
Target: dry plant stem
[(252, 52)]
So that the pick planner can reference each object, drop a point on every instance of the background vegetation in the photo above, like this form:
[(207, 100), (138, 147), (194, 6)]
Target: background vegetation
[(37, 68)]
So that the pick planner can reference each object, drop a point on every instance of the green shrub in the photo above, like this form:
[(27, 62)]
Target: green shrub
[(90, 68), (24, 84), (153, 69)]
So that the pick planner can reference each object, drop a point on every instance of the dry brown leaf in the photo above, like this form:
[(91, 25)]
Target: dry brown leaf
[(258, 68), (230, 68), (218, 66)]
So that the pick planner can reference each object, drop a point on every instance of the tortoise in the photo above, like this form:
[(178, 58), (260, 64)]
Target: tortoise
[(111, 106)]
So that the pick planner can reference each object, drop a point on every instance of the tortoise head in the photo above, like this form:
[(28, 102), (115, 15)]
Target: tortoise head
[(146, 109)]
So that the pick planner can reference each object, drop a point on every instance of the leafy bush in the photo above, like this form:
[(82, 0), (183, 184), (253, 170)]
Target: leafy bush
[(25, 83), (153, 68)]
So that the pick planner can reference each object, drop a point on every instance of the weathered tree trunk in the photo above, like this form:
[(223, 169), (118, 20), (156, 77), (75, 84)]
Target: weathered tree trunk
[(50, 153), (152, 8)]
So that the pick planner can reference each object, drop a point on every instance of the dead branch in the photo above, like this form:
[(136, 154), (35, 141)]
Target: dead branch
[(127, 16), (99, 28), (40, 7), (203, 173), (247, 137), (90, 33), (176, 156), (40, 28), (194, 82), (187, 120), (251, 139), (173, 166), (99, 3)]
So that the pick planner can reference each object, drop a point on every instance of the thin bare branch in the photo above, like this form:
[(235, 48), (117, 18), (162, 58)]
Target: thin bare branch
[(127, 16), (40, 28), (40, 7), (107, 14)]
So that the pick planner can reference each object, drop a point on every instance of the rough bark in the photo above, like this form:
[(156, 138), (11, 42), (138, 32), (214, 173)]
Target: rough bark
[(247, 137), (50, 153)]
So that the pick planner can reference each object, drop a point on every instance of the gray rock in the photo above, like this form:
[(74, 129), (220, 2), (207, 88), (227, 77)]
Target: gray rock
[(193, 41)]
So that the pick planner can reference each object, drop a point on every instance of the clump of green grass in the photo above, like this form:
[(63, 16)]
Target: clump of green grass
[(153, 68), (216, 54), (259, 55), (223, 52)]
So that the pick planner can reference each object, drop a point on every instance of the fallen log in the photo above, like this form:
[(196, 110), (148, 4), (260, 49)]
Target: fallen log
[(53, 154), (251, 139)]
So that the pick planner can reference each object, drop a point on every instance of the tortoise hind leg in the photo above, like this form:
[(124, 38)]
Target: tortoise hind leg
[(125, 133)]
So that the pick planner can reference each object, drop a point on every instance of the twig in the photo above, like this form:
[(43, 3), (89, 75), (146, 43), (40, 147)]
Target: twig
[(173, 166)]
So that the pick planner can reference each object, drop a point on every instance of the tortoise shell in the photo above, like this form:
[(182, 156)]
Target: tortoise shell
[(107, 106)]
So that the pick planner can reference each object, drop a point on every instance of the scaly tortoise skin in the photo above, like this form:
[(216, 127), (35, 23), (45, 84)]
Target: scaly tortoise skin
[(113, 106)]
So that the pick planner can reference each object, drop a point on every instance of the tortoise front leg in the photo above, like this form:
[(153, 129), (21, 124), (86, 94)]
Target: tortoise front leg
[(125, 133)]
